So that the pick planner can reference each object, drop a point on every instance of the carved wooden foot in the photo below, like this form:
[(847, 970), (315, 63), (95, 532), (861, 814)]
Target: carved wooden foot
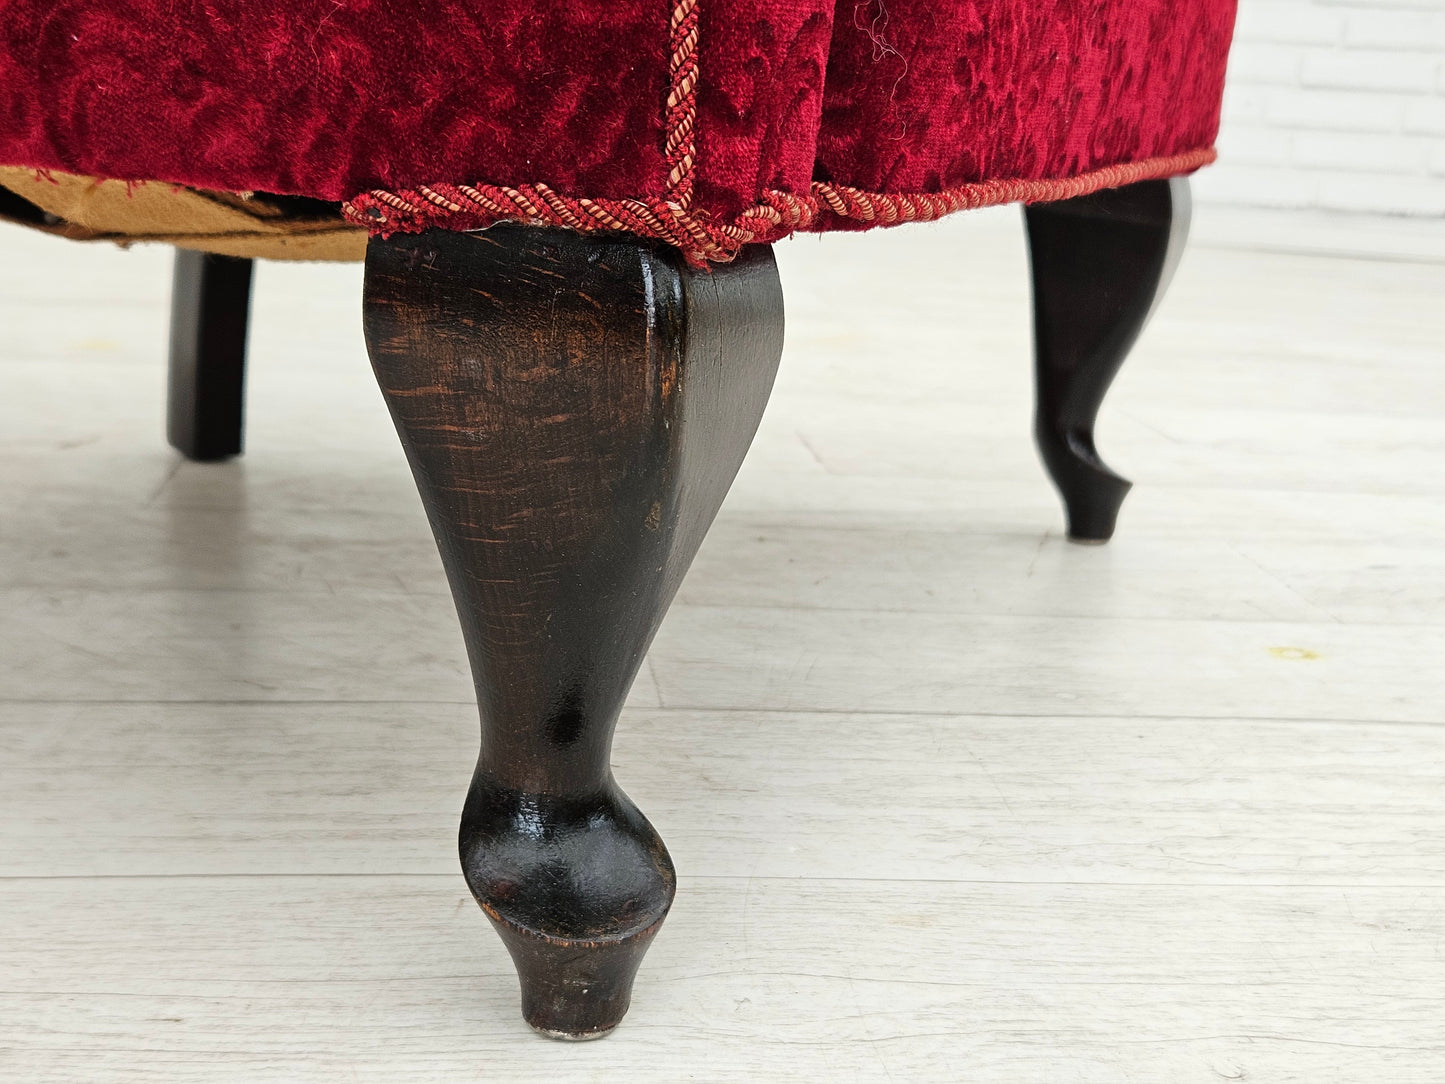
[(1100, 264), (210, 306), (574, 411)]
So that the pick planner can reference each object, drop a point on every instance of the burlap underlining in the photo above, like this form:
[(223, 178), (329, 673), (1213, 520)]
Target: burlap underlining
[(86, 209)]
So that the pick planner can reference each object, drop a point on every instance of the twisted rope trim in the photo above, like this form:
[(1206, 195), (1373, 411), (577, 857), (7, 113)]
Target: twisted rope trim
[(703, 239), (680, 120), (876, 209)]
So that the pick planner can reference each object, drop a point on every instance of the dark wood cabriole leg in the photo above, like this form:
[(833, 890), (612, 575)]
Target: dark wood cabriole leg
[(210, 306), (1100, 264), (574, 410)]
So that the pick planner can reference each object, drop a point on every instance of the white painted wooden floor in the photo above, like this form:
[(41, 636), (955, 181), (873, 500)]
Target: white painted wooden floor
[(950, 799)]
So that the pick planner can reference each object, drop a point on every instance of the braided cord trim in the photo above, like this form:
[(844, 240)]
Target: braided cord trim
[(703, 239)]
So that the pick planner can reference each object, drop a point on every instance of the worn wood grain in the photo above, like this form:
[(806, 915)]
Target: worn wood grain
[(574, 410)]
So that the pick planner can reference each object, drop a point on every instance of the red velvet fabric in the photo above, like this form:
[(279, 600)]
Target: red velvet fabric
[(925, 95), (763, 65), (327, 98), (706, 122)]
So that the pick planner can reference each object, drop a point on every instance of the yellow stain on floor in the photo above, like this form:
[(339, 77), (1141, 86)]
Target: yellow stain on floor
[(1293, 653)]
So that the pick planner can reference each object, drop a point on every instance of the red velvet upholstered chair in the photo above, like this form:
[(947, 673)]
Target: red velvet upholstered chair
[(570, 301)]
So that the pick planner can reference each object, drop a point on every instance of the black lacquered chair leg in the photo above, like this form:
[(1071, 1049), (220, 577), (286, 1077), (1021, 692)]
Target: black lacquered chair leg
[(210, 307), (1100, 264)]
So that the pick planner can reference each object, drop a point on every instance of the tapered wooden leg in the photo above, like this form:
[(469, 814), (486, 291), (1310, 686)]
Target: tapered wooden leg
[(574, 410), (1100, 264), (210, 305)]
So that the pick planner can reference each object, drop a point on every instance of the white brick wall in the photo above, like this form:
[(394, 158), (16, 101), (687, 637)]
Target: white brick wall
[(1335, 105)]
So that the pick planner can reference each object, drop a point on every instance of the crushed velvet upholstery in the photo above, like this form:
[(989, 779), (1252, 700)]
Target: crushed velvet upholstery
[(935, 94), (708, 123)]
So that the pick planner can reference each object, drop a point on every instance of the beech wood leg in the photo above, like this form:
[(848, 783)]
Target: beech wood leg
[(210, 306), (1100, 264), (574, 410)]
